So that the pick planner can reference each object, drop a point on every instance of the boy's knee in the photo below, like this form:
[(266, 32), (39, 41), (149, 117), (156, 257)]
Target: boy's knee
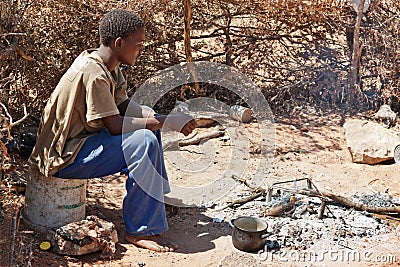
[(149, 137), (143, 137), (147, 108)]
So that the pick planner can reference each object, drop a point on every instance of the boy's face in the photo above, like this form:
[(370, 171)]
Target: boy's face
[(131, 46)]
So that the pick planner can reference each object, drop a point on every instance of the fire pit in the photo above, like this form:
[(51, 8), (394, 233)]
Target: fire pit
[(299, 217)]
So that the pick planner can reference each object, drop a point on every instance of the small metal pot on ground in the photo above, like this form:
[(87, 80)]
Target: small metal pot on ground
[(249, 233)]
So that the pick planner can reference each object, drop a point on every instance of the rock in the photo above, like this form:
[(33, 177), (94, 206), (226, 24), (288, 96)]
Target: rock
[(304, 129), (386, 116), (356, 5), (86, 236), (370, 142), (181, 107)]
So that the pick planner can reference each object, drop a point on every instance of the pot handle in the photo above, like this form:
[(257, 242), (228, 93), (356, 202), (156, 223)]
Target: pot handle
[(265, 235), (231, 223)]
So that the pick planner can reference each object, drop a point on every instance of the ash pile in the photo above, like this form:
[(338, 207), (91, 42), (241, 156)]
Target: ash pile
[(298, 221), (301, 227)]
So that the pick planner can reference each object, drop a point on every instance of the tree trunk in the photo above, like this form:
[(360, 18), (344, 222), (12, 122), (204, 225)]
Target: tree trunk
[(354, 83), (188, 48)]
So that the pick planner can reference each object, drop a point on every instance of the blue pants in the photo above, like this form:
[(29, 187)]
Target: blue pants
[(139, 155)]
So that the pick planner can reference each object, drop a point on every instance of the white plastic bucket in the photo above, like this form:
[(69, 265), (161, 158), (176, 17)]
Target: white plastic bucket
[(52, 202)]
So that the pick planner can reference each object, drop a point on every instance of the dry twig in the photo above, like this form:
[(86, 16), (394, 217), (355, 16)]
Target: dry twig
[(12, 123), (242, 201), (257, 192), (15, 226)]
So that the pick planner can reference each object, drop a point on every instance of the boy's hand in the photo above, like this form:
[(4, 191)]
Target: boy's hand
[(180, 122)]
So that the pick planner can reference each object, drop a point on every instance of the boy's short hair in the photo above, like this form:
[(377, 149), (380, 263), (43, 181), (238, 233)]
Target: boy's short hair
[(118, 23)]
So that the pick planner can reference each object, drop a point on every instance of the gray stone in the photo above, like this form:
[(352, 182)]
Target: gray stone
[(370, 142), (386, 116)]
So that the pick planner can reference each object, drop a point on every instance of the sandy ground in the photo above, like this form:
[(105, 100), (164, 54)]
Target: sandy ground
[(307, 145)]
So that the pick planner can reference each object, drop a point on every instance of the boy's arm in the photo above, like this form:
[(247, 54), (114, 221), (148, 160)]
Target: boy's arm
[(118, 124), (130, 108), (180, 122)]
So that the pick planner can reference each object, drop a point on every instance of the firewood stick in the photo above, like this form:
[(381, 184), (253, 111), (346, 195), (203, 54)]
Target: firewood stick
[(242, 201), (358, 206), (335, 198), (200, 138), (246, 183), (347, 202), (195, 140)]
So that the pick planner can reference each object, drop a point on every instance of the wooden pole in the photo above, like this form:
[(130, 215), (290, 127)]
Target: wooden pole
[(228, 44), (187, 18), (355, 57), (188, 48)]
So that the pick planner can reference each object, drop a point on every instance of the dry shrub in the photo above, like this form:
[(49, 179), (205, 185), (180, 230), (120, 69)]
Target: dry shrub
[(298, 52)]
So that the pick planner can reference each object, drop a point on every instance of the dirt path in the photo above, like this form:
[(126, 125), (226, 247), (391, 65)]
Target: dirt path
[(306, 146)]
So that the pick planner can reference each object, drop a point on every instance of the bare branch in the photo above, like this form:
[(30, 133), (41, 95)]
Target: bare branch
[(7, 113), (12, 124), (12, 33)]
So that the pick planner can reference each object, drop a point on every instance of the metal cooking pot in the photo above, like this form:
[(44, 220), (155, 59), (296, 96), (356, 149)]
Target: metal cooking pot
[(249, 233)]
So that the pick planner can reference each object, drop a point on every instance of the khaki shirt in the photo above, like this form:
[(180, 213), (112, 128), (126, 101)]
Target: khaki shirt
[(86, 93)]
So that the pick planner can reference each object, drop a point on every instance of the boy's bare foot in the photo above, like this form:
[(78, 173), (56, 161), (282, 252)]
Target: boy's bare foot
[(154, 242)]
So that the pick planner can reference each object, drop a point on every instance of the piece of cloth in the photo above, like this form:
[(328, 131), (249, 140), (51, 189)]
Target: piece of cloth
[(86, 93), (139, 155)]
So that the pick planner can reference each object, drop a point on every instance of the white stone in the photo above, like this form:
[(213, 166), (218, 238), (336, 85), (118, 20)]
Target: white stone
[(369, 142), (356, 5)]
